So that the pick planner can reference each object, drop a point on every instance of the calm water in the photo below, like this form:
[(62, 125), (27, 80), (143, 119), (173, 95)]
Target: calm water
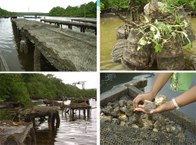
[(78, 132), (18, 61), (109, 26), (116, 79)]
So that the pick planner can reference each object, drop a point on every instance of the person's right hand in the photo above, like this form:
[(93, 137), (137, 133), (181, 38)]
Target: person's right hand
[(142, 97)]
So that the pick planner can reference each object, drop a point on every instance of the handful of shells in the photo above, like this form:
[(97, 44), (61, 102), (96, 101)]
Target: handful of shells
[(158, 101)]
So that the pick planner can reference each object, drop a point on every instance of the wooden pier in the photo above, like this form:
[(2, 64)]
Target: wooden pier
[(23, 134), (42, 112), (80, 107), (82, 26), (85, 20), (65, 49)]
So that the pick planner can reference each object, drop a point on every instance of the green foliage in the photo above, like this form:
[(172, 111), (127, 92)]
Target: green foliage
[(6, 13), (85, 10), (117, 4), (191, 4), (23, 87), (159, 33)]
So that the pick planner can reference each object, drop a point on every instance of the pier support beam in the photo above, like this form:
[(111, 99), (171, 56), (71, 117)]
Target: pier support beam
[(37, 58)]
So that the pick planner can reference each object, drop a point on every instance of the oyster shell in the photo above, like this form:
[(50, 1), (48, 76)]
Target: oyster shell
[(148, 107), (160, 99)]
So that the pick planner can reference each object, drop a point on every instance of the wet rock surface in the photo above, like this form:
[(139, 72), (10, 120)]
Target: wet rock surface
[(121, 113)]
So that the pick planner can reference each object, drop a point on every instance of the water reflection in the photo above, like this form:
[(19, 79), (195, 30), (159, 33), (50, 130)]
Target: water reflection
[(8, 46)]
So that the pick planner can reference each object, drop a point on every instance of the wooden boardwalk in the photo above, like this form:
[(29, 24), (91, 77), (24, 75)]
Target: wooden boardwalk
[(65, 49), (85, 20), (82, 26)]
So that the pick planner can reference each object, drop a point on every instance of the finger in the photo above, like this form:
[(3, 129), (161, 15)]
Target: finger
[(141, 110), (147, 101), (140, 106), (135, 102)]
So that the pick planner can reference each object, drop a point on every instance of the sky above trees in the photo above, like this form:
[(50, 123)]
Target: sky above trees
[(38, 5)]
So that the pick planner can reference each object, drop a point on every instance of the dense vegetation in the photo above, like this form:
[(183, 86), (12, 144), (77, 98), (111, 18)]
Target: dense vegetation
[(85, 10), (23, 87), (119, 4), (6, 13)]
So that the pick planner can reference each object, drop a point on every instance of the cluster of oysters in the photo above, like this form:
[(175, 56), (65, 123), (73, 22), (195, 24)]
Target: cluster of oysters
[(121, 112)]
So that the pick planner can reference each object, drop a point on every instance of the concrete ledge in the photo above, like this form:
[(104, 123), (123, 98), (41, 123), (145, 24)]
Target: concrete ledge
[(65, 50)]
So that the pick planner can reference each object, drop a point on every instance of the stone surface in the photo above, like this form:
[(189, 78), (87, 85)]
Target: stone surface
[(65, 49)]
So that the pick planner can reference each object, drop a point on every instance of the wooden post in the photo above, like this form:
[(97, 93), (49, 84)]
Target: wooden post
[(88, 112), (57, 120), (84, 111), (37, 57), (70, 26)]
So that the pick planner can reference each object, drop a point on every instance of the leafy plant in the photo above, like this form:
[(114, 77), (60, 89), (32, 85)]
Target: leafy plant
[(158, 33)]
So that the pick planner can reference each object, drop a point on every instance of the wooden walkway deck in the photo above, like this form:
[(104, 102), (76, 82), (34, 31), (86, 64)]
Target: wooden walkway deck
[(65, 49), (82, 26), (85, 20)]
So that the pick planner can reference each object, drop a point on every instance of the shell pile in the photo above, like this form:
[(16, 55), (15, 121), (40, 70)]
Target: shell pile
[(121, 112)]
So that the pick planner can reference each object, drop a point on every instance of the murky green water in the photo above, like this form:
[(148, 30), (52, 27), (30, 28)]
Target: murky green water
[(109, 26), (108, 29)]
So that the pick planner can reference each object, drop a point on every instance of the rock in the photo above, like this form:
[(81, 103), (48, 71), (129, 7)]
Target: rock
[(107, 109), (123, 117), (130, 103), (129, 112), (157, 125), (132, 119), (134, 126), (123, 109), (148, 107), (153, 7), (106, 118), (181, 137), (114, 114), (155, 130), (110, 104), (117, 109), (169, 128), (146, 127), (115, 121), (122, 103), (147, 122), (122, 123)]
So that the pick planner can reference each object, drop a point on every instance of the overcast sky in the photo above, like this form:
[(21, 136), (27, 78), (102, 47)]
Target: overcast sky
[(38, 5), (91, 78)]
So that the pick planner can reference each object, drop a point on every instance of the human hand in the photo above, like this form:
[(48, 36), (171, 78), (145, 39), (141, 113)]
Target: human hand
[(142, 97), (161, 108)]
